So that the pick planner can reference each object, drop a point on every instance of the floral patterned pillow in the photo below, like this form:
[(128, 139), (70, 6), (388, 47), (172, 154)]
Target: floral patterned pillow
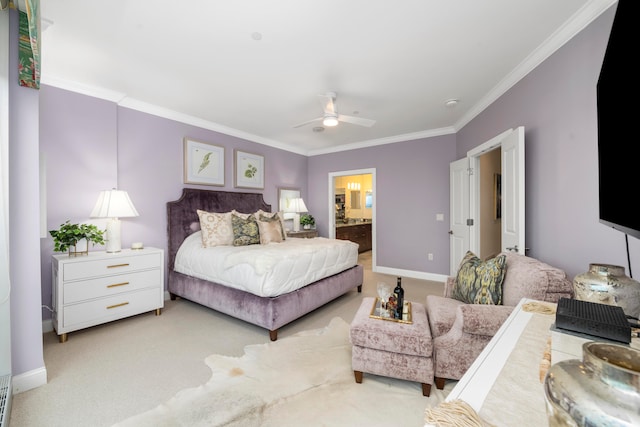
[(245, 230), (216, 228), (480, 282)]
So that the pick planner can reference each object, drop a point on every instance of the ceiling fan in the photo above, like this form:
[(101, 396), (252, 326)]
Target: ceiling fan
[(331, 116)]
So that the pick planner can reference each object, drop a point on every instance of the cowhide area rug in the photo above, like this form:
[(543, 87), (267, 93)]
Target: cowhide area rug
[(302, 380)]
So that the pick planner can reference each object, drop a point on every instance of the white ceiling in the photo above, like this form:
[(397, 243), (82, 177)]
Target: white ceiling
[(394, 62)]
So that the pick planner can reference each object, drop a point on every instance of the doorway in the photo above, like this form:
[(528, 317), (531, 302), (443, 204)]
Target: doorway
[(466, 194), (352, 201)]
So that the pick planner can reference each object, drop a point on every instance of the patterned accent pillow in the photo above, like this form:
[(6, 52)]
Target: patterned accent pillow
[(272, 215), (480, 282), (241, 215), (270, 229), (216, 228), (245, 230)]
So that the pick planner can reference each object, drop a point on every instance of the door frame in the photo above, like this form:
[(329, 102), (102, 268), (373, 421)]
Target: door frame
[(331, 202), (474, 155), (505, 139)]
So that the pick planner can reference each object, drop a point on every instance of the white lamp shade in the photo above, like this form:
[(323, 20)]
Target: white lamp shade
[(113, 204), (297, 206)]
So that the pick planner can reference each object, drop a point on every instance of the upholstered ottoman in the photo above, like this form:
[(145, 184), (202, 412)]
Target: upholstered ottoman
[(392, 349)]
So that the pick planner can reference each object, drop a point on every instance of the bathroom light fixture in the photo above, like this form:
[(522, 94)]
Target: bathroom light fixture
[(113, 204), (353, 186)]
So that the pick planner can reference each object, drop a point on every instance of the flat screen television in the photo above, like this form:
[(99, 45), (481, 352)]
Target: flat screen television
[(617, 92)]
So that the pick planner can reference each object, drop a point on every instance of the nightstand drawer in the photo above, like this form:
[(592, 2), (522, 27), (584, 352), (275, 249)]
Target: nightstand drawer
[(90, 313), (110, 285), (109, 266)]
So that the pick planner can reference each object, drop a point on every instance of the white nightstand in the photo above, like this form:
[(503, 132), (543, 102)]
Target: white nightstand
[(100, 287)]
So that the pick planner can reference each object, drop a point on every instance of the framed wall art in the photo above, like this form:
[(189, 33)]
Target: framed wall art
[(249, 170), (285, 196), (203, 163)]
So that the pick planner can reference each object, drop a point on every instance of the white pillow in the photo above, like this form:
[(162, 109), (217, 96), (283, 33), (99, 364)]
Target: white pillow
[(271, 215), (270, 229)]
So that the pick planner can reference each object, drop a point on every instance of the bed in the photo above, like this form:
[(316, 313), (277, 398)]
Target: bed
[(270, 312)]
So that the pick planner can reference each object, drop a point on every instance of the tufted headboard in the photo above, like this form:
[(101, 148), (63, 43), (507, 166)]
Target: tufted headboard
[(182, 218)]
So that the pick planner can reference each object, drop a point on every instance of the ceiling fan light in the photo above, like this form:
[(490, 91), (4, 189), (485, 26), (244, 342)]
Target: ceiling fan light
[(330, 121)]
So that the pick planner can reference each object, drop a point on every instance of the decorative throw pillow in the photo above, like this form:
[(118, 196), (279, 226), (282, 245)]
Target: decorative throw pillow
[(272, 215), (245, 230), (241, 215), (270, 229), (480, 282), (216, 228)]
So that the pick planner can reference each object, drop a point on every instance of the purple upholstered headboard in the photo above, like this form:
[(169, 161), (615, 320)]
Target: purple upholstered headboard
[(182, 218)]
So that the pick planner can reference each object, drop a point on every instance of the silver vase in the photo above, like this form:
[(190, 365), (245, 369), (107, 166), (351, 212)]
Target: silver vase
[(608, 284), (601, 390)]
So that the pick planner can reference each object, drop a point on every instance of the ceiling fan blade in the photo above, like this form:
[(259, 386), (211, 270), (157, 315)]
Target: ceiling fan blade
[(307, 122), (356, 120)]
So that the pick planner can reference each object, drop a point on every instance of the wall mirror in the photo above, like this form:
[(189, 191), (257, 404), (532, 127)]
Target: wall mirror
[(355, 199), (368, 199)]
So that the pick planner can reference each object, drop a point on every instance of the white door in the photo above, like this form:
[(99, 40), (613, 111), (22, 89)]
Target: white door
[(459, 212), (464, 203), (513, 228)]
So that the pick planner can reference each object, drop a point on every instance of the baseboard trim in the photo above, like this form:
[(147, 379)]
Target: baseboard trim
[(29, 380), (410, 273)]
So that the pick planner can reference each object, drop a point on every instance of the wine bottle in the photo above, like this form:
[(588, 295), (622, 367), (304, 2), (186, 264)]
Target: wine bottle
[(399, 294)]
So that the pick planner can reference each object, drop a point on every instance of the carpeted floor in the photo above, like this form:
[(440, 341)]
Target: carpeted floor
[(108, 373), (305, 379)]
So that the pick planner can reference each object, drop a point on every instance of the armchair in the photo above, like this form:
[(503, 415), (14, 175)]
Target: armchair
[(461, 331)]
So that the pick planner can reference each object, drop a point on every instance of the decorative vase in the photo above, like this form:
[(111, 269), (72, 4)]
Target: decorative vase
[(608, 284), (601, 390)]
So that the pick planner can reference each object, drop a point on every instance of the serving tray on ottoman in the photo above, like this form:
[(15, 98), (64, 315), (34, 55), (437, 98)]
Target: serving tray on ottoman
[(392, 349)]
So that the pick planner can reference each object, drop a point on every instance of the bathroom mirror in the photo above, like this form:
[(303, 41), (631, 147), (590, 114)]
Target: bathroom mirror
[(368, 199), (355, 199)]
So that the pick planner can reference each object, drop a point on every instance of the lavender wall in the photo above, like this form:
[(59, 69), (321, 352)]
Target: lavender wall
[(92, 144), (412, 183), (556, 104), (26, 324)]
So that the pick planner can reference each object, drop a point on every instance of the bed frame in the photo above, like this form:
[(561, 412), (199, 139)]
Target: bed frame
[(267, 312)]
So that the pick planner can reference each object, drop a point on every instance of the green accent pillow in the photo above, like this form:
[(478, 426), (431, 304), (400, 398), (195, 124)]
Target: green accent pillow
[(245, 230), (480, 282)]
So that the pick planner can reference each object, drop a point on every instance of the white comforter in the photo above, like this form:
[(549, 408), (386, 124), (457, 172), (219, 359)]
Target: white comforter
[(266, 270)]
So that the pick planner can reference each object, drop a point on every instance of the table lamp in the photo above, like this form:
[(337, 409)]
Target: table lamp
[(297, 206), (113, 204)]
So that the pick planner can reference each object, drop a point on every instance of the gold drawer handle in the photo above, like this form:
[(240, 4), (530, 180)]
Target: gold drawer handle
[(118, 265), (117, 305), (117, 284)]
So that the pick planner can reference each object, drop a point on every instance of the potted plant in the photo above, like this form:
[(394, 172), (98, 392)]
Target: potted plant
[(68, 235), (307, 221)]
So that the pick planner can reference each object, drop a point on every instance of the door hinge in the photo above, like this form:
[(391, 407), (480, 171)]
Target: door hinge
[(470, 171), (470, 221)]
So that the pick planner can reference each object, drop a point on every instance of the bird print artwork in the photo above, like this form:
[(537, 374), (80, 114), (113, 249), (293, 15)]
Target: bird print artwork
[(205, 162)]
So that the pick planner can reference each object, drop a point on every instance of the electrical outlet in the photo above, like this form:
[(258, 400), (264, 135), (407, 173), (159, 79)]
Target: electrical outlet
[(430, 256), (439, 217)]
